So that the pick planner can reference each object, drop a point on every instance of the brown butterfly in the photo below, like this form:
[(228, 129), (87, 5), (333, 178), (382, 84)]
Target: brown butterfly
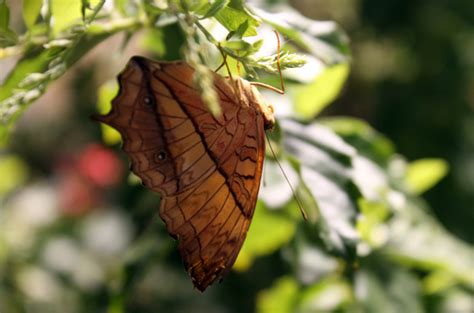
[(206, 168)]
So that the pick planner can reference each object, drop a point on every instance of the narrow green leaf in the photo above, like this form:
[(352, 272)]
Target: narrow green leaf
[(31, 11), (425, 173), (4, 16), (239, 33), (7, 38), (85, 4)]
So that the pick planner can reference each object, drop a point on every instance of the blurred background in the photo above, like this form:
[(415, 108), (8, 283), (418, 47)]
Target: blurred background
[(412, 80), (75, 230)]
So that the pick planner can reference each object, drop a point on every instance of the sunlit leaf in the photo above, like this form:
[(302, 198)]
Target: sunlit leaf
[(51, 62), (312, 98), (231, 19), (106, 93), (326, 295), (214, 8), (236, 45), (268, 232), (370, 178), (370, 224), (31, 11), (425, 173), (325, 169), (66, 13), (362, 136), (279, 298), (324, 40), (437, 282), (14, 173)]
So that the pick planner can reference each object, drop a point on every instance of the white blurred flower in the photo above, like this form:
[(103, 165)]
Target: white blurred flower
[(65, 256), (61, 254), (106, 233), (34, 207), (88, 274), (38, 284)]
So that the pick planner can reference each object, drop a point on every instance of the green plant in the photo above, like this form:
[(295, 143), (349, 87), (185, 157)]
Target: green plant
[(370, 242)]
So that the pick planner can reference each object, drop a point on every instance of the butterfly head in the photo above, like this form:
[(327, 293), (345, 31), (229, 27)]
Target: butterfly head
[(251, 97)]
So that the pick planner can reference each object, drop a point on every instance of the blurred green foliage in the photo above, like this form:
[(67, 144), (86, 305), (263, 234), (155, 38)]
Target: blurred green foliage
[(77, 235)]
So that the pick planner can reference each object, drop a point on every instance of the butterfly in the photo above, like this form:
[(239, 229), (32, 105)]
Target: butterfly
[(206, 168)]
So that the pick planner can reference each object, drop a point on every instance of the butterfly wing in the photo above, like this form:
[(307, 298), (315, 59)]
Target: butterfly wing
[(207, 169)]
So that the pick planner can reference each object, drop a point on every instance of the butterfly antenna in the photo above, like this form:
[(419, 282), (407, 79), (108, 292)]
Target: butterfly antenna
[(224, 61), (278, 61), (238, 64), (303, 212), (234, 83)]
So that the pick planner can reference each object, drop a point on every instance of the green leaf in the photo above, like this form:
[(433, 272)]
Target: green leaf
[(59, 55), (327, 295), (106, 93), (425, 173), (325, 169), (14, 173), (417, 239), (281, 297), (268, 232), (7, 36), (311, 99), (232, 19), (437, 282), (322, 39), (85, 4), (66, 13), (370, 223), (387, 286), (214, 8), (239, 33), (362, 136), (4, 16), (31, 11)]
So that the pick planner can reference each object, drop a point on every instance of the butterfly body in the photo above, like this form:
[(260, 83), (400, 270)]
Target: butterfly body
[(206, 168)]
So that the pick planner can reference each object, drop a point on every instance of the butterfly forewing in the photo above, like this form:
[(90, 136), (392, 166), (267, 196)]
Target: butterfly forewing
[(206, 168)]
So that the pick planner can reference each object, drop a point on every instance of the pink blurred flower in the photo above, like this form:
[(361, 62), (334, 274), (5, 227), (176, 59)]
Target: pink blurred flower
[(84, 178), (100, 166)]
